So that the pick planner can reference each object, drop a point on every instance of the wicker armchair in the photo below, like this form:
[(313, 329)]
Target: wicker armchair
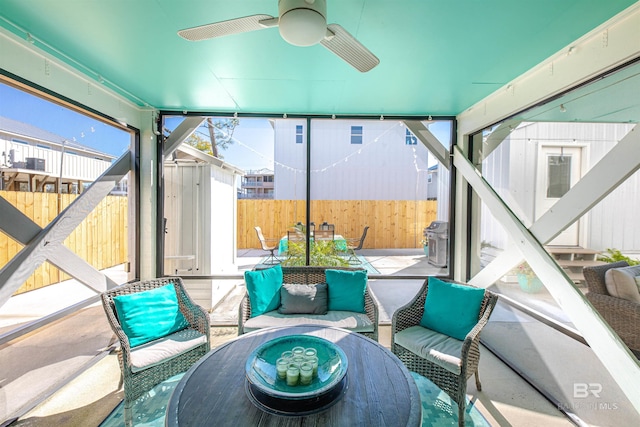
[(312, 275), (454, 384), (139, 380), (622, 315)]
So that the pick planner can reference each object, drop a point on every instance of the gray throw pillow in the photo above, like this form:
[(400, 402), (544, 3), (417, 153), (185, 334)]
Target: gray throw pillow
[(303, 299)]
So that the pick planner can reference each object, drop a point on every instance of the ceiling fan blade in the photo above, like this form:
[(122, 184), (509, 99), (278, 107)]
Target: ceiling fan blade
[(225, 28), (343, 44)]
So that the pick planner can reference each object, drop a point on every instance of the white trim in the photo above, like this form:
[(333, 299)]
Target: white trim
[(37, 66), (589, 57)]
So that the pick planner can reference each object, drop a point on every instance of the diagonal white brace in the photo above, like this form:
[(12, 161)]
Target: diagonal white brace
[(45, 244), (613, 169), (20, 227), (429, 140), (613, 353)]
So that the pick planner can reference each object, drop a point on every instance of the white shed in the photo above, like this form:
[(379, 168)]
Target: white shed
[(200, 200)]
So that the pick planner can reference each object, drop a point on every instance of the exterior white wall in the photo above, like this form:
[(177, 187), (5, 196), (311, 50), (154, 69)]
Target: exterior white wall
[(383, 167), (223, 207), (511, 170), (75, 166), (290, 166)]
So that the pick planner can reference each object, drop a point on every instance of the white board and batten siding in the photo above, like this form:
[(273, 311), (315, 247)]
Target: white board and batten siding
[(512, 167), (76, 164), (383, 167)]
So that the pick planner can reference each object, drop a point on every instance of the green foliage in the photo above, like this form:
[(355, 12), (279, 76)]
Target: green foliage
[(614, 255), (217, 135), (323, 253), (199, 143)]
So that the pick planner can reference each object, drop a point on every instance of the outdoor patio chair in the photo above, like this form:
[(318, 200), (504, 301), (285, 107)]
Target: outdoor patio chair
[(326, 226), (323, 234), (623, 315), (269, 245), (354, 245), (446, 359), (145, 364)]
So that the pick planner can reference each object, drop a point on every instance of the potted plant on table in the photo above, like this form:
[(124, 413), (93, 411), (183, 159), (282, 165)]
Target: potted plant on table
[(527, 279)]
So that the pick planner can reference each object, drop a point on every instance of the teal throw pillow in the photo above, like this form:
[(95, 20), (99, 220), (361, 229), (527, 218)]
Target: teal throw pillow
[(346, 289), (451, 309), (149, 315), (263, 287)]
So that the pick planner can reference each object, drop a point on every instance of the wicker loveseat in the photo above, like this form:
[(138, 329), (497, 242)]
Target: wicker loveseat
[(447, 361), (364, 323), (622, 314), (145, 365)]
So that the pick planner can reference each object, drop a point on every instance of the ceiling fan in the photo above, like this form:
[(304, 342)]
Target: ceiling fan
[(301, 23)]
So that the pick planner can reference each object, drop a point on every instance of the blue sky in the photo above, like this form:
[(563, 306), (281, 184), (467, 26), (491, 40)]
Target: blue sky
[(24, 107), (252, 148)]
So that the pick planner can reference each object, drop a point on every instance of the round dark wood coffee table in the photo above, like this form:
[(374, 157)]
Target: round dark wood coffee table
[(380, 390)]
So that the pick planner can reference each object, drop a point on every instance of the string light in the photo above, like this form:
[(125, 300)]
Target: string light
[(366, 145)]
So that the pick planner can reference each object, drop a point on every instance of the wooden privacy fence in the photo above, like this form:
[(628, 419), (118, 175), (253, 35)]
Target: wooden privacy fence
[(392, 223), (101, 239)]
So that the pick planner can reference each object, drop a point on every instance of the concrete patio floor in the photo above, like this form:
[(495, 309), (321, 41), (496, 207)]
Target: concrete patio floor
[(91, 395)]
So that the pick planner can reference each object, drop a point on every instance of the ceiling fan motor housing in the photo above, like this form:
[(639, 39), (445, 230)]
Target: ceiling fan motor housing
[(302, 22)]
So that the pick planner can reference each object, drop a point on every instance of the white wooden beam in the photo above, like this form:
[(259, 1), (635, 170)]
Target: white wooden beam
[(429, 140), (45, 244), (181, 133), (590, 57), (503, 130), (613, 169), (22, 229), (614, 354)]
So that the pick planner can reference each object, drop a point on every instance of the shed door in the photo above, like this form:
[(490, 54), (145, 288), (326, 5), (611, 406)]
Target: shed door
[(559, 168)]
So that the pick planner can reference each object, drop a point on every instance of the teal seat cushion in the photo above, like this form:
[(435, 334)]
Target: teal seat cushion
[(149, 315), (263, 287), (346, 290), (450, 308)]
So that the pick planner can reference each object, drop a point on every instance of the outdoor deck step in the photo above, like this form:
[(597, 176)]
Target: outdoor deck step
[(575, 276), (565, 263), (574, 256), (570, 250)]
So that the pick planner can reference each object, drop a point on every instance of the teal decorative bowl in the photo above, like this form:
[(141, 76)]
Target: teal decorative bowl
[(273, 395)]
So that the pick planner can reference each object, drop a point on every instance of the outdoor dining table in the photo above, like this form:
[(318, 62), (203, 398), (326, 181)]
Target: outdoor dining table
[(380, 390), (338, 240)]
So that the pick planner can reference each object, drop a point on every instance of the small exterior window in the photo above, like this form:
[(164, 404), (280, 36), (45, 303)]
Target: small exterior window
[(410, 138), (46, 147), (430, 178), (18, 141), (299, 137), (356, 134)]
